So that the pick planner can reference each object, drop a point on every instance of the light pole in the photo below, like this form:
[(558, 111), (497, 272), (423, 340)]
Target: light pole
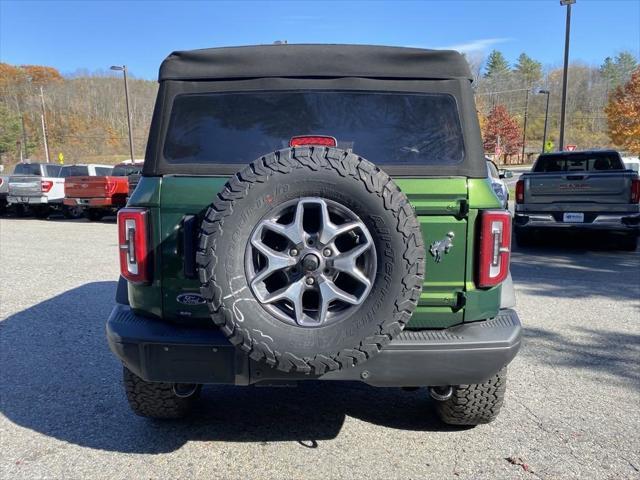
[(524, 127), (546, 117), (567, 34), (123, 69)]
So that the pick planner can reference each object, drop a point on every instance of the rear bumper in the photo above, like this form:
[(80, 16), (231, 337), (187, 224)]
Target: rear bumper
[(162, 352), (33, 200), (623, 222), (101, 202)]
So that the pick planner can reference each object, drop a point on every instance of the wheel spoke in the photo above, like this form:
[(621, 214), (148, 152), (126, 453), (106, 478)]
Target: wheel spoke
[(293, 293), (329, 230), (294, 231), (346, 263), (329, 292), (275, 260)]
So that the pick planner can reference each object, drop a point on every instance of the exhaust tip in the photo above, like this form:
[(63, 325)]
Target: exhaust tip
[(441, 394)]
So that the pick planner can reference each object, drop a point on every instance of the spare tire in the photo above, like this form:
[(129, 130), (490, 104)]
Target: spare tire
[(311, 259)]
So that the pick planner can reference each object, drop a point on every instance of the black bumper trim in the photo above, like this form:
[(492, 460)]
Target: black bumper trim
[(162, 352)]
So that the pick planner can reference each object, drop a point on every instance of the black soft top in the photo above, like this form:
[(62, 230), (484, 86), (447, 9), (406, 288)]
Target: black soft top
[(319, 61)]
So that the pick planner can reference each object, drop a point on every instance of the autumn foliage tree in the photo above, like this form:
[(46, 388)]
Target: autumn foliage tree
[(623, 114), (502, 129)]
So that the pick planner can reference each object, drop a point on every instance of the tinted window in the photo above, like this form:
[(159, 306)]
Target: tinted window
[(74, 171), (386, 128), (52, 170), (125, 170), (27, 169), (579, 162), (103, 171)]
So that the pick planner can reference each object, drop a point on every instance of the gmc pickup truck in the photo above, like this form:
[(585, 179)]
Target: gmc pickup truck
[(586, 191), (103, 194), (38, 188)]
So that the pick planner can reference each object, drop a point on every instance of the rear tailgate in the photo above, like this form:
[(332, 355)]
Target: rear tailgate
[(593, 188), (25, 186), (85, 187), (437, 202)]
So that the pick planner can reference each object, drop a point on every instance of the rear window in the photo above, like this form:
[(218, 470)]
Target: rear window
[(386, 128), (27, 169), (125, 170), (580, 162), (103, 171), (74, 171)]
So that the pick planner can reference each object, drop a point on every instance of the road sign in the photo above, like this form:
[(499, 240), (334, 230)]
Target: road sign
[(548, 146), (570, 148), (61, 158)]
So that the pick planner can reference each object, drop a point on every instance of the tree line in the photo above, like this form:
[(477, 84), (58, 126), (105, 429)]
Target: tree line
[(85, 114)]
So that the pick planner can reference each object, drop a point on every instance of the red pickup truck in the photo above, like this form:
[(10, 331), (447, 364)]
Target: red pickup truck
[(103, 195)]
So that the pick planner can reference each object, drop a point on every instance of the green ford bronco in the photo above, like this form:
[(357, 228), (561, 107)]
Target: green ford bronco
[(315, 212)]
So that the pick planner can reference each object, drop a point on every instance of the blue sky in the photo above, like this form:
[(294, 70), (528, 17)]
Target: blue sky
[(95, 34)]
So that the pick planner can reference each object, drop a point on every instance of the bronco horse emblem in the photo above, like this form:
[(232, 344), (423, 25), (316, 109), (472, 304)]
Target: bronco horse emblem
[(440, 247)]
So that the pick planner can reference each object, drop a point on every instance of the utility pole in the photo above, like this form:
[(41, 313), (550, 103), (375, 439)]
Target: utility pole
[(567, 34), (123, 69), (24, 138), (524, 127), (546, 118), (44, 126)]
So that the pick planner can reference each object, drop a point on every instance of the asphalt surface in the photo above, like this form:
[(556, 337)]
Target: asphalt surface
[(572, 406)]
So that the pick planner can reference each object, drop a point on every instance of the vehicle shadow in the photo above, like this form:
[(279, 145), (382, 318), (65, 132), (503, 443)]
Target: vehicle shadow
[(568, 266), (600, 352), (59, 379)]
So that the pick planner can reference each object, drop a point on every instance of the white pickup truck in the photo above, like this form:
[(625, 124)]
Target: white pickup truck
[(38, 188)]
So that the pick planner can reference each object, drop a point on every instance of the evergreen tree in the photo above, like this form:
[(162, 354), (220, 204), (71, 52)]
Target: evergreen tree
[(497, 65), (617, 71), (528, 70)]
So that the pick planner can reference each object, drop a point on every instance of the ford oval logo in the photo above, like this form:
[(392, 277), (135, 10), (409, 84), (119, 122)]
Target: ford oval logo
[(190, 299)]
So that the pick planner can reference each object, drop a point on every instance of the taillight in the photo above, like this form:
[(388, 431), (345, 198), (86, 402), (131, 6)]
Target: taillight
[(495, 247), (520, 191), (133, 244), (46, 185), (110, 187), (320, 140), (635, 190)]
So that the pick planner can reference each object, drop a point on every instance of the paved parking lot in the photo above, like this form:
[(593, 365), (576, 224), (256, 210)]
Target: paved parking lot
[(571, 409)]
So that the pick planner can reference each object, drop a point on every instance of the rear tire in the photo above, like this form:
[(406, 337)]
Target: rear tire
[(474, 404), (629, 243), (156, 399), (523, 238), (42, 211), (93, 215), (71, 212)]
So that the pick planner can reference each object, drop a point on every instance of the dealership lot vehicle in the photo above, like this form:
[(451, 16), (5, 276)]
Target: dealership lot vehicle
[(309, 262), (63, 413), (497, 176), (4, 191), (101, 194), (39, 188), (591, 191)]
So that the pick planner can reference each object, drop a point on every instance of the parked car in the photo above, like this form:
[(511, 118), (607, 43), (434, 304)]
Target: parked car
[(38, 188), (497, 177), (308, 263), (4, 191), (101, 194), (585, 191)]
